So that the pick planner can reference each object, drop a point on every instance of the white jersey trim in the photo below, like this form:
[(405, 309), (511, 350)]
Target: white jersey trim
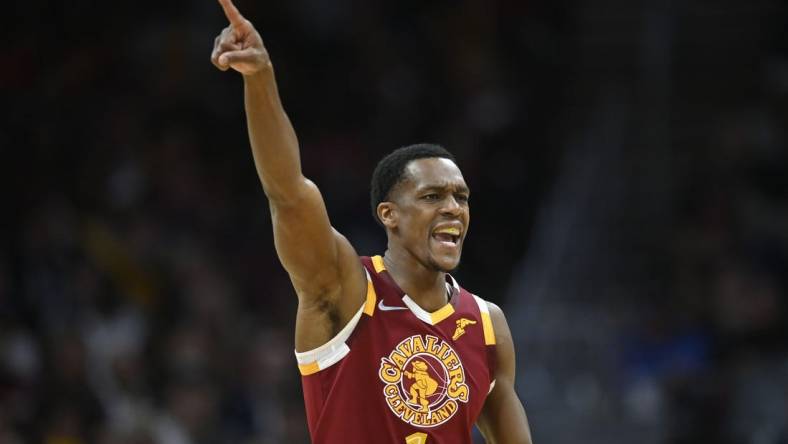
[(332, 351), (440, 314)]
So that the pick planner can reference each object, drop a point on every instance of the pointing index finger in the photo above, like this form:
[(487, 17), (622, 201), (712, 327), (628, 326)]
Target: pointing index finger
[(232, 13)]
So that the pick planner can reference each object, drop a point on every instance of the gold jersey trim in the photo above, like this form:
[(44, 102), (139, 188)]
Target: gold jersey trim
[(308, 369), (369, 304), (430, 318), (442, 314), (487, 325), (377, 262)]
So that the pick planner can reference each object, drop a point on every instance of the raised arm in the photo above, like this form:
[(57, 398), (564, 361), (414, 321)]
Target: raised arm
[(322, 265), (503, 419)]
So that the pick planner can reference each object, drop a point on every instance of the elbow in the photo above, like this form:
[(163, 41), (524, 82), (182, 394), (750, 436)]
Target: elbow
[(290, 192)]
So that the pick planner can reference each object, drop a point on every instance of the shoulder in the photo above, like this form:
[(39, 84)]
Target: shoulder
[(493, 316), (495, 310), (504, 346)]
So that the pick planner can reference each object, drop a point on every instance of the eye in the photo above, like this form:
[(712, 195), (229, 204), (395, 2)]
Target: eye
[(462, 198), (431, 197)]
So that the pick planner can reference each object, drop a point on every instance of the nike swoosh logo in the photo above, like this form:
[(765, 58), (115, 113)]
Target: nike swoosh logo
[(389, 308)]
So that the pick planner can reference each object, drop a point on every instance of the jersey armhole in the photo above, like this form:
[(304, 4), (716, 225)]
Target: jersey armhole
[(336, 348), (489, 339), (487, 326)]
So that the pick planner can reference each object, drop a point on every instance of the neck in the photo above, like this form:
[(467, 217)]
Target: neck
[(426, 286)]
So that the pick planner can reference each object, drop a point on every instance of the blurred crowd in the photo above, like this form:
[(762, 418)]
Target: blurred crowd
[(712, 336), (724, 331), (663, 317), (141, 299)]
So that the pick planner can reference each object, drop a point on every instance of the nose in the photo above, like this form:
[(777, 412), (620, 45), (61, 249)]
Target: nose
[(451, 206)]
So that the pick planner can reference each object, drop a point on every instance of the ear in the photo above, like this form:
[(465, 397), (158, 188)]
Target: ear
[(388, 215)]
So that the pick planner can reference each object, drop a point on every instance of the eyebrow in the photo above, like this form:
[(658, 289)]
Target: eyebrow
[(443, 187)]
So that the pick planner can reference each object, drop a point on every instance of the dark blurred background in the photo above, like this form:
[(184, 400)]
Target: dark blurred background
[(630, 208)]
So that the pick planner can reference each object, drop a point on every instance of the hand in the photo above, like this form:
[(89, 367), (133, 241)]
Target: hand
[(239, 46)]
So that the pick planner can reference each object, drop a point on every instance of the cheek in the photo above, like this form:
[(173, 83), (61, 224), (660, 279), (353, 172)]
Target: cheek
[(414, 224), (412, 228)]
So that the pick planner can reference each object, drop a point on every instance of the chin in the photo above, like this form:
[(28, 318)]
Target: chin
[(445, 264)]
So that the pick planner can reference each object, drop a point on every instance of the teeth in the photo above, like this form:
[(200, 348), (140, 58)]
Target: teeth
[(449, 230)]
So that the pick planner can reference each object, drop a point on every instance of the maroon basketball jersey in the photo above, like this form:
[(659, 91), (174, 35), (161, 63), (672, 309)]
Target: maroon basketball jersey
[(399, 374)]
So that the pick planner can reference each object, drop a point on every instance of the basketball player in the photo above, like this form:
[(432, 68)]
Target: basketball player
[(391, 349)]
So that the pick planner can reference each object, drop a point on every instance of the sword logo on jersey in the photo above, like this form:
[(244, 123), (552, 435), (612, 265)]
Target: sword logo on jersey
[(424, 381)]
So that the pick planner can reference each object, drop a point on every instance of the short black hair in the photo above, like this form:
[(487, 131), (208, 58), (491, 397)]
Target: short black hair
[(391, 170)]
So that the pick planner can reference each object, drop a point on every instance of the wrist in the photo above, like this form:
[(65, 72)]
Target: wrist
[(262, 82), (265, 72)]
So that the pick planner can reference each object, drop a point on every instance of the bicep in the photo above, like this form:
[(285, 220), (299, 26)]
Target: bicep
[(503, 418), (317, 257)]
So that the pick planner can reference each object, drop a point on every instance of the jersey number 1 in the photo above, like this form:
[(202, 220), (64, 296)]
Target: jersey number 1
[(416, 438)]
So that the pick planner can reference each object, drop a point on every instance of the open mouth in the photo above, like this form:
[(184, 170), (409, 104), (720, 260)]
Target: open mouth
[(447, 235)]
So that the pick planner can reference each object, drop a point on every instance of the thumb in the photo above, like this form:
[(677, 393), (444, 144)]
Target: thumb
[(240, 56)]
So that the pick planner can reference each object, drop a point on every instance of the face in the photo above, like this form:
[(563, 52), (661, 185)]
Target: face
[(428, 214)]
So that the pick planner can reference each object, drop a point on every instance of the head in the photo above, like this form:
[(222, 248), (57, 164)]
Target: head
[(419, 366), (419, 196)]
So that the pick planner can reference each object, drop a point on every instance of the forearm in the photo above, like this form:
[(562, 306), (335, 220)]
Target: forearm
[(504, 422), (272, 138)]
